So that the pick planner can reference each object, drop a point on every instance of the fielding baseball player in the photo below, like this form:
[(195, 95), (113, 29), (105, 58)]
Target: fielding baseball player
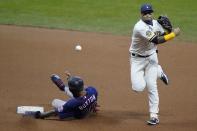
[(82, 102), (147, 33)]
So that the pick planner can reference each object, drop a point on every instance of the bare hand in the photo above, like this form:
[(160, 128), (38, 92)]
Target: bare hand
[(177, 31), (68, 74)]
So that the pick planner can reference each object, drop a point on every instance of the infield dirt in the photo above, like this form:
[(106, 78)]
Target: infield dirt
[(30, 55)]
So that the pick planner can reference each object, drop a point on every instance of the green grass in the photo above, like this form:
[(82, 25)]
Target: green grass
[(111, 16)]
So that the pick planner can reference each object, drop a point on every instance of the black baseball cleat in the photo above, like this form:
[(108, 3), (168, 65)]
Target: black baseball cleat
[(153, 121), (37, 115), (164, 78)]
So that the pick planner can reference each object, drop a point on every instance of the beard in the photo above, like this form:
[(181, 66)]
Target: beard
[(149, 22), (147, 19)]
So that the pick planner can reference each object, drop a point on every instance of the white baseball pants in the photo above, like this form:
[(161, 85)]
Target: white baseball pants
[(144, 73)]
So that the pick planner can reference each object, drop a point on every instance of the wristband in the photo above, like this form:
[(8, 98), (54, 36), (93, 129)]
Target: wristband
[(169, 36)]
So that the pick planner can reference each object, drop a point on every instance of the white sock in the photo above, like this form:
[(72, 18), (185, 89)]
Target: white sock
[(155, 115)]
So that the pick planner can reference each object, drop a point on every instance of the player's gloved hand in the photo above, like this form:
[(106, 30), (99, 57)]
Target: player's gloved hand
[(164, 21), (177, 31), (58, 82)]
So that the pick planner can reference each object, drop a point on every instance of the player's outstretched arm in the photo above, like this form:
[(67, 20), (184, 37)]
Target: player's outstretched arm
[(60, 84), (67, 91), (163, 38)]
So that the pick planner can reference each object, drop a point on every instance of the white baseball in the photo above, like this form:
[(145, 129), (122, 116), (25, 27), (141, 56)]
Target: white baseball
[(78, 48)]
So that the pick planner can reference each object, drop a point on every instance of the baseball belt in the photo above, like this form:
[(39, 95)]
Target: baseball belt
[(142, 56)]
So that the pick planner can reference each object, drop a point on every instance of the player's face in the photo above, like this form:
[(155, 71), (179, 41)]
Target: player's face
[(147, 16)]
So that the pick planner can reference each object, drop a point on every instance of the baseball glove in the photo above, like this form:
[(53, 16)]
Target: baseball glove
[(164, 21)]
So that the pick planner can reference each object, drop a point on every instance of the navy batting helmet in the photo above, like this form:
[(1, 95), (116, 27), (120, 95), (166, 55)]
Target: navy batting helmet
[(75, 84), (146, 8)]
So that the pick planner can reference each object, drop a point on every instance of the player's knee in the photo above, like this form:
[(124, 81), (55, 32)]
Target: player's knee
[(58, 104), (54, 102), (139, 87)]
